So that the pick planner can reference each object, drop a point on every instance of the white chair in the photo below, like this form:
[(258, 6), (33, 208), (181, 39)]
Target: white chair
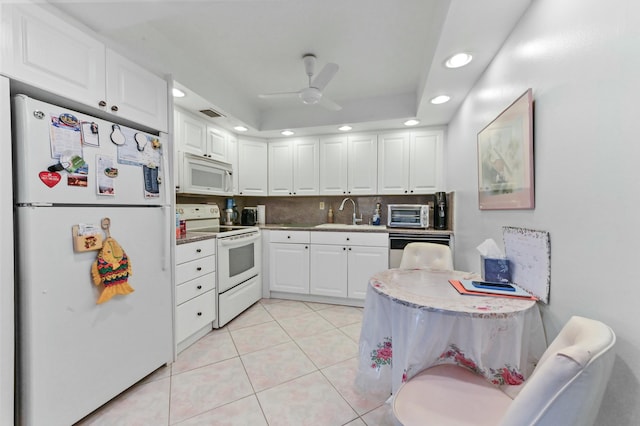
[(566, 387), (427, 255)]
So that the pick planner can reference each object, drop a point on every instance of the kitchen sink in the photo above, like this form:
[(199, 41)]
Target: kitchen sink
[(347, 226)]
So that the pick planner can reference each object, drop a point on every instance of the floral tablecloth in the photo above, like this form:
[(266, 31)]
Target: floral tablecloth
[(414, 319)]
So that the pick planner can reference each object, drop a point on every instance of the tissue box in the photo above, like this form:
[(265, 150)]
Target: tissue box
[(495, 270)]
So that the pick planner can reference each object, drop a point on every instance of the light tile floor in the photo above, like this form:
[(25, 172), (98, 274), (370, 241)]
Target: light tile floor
[(280, 362)]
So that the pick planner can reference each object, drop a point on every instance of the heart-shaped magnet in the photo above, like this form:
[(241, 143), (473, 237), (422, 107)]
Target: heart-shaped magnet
[(50, 179)]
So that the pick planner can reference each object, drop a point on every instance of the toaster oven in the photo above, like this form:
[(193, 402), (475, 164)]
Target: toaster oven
[(408, 216)]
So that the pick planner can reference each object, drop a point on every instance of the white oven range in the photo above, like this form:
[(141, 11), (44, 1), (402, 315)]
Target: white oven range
[(238, 260)]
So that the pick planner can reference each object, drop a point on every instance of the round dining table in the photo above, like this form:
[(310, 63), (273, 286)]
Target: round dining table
[(414, 319)]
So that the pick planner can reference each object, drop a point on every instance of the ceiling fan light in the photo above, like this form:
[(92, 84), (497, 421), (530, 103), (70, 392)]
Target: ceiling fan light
[(458, 60), (310, 95)]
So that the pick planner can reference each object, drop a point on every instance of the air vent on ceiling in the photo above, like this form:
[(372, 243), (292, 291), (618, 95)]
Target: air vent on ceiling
[(211, 113)]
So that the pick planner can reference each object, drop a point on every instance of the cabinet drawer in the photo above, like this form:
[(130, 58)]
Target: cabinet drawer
[(195, 250), (298, 237), (191, 316), (194, 288), (196, 268), (373, 239)]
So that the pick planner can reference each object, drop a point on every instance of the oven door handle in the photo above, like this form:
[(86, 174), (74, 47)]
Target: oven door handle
[(231, 241)]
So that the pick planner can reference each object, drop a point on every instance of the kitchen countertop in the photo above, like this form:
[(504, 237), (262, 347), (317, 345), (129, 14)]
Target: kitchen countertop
[(191, 237), (357, 228)]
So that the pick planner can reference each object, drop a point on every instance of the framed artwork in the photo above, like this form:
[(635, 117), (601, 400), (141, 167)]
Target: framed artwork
[(505, 158)]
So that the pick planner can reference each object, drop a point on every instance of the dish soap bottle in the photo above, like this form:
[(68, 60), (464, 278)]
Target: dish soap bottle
[(376, 215), (330, 215)]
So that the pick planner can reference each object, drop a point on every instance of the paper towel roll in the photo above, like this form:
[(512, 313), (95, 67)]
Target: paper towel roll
[(261, 214)]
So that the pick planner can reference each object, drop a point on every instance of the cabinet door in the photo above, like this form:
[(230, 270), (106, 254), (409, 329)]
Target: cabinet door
[(363, 164), (393, 163), (280, 168), (425, 165), (252, 167), (333, 165), (328, 270), (363, 263), (191, 133), (48, 53), (306, 167), (289, 267), (134, 93), (216, 144)]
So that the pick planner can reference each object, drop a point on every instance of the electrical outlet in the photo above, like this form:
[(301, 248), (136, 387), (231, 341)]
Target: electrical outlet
[(321, 205)]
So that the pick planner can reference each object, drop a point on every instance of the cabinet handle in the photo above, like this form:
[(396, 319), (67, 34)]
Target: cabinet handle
[(199, 287), (306, 247), (199, 314), (405, 191), (288, 236), (294, 193), (344, 248), (199, 268), (349, 248), (347, 238), (412, 191), (114, 108), (102, 104), (198, 250)]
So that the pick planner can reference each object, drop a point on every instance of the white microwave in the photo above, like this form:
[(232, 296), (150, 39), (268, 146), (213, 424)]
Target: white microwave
[(408, 216), (202, 175)]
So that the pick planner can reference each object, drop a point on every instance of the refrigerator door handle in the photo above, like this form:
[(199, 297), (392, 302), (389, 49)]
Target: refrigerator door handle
[(166, 239)]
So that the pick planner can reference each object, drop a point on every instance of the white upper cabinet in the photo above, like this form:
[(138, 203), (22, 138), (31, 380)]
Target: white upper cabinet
[(363, 164), (196, 136), (217, 144), (348, 165), (410, 162), (252, 167), (43, 50), (135, 93), (47, 52), (190, 133), (280, 168), (294, 167), (333, 165)]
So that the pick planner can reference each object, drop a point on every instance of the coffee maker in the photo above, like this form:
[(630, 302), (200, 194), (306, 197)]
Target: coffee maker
[(230, 213), (440, 211)]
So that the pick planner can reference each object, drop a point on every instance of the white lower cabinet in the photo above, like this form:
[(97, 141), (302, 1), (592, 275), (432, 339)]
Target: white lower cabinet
[(328, 264), (343, 262), (195, 288), (289, 261)]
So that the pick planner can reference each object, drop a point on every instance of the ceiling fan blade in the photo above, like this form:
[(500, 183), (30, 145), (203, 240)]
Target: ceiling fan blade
[(279, 95), (329, 104), (324, 77)]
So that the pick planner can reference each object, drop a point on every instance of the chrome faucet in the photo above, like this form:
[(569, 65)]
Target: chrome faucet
[(355, 220)]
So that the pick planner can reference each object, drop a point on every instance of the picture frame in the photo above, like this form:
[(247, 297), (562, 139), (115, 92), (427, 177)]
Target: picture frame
[(505, 158)]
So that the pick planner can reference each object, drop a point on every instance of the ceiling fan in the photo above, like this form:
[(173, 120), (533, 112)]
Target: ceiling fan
[(313, 94)]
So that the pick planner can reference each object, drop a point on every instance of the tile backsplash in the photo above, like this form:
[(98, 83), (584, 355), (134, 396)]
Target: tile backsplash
[(307, 211)]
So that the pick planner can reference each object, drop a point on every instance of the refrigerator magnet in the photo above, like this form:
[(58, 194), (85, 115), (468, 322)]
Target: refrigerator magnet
[(117, 137), (49, 178), (151, 182), (90, 134), (106, 174), (141, 141)]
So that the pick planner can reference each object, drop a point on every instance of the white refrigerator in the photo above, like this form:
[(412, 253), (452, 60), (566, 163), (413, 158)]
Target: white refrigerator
[(71, 172)]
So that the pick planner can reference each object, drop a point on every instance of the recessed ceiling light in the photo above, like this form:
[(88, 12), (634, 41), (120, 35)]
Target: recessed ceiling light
[(177, 93), (240, 129), (440, 99), (287, 132), (345, 128), (458, 60), (412, 122)]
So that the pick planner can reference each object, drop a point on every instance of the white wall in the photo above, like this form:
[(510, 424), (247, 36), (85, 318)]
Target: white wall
[(582, 59)]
